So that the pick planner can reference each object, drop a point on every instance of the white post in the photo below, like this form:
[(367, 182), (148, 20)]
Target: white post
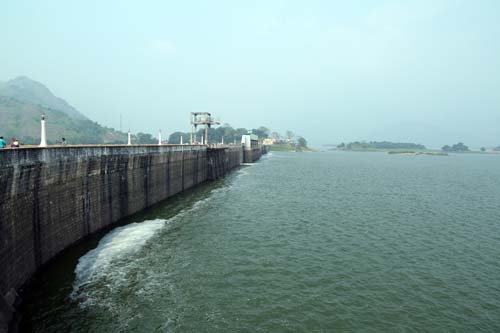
[(181, 140), (129, 141), (159, 138), (202, 139), (43, 134), (222, 142)]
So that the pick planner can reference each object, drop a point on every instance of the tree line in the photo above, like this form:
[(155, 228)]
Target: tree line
[(225, 131), (457, 147), (232, 135), (379, 145)]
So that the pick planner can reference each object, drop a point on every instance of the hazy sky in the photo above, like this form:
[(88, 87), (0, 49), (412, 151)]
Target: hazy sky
[(332, 71)]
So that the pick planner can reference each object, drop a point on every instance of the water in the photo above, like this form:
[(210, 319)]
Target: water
[(297, 242)]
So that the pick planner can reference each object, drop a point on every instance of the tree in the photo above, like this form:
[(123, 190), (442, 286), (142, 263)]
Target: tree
[(289, 135), (458, 147), (145, 138), (175, 138), (262, 132), (275, 136), (302, 142), (341, 146), (483, 149)]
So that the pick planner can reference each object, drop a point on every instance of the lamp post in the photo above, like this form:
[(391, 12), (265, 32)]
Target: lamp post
[(43, 134), (129, 141)]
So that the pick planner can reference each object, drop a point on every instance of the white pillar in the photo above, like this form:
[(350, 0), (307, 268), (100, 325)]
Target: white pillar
[(222, 142), (202, 139), (129, 141), (43, 134), (159, 138), (181, 140)]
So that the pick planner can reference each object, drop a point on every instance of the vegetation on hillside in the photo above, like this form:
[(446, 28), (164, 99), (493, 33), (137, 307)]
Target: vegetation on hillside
[(22, 121), (29, 91), (23, 101)]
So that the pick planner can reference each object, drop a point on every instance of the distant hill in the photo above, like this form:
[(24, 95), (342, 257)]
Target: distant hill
[(22, 103), (29, 91)]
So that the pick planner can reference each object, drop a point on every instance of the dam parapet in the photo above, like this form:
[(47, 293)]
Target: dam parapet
[(53, 197)]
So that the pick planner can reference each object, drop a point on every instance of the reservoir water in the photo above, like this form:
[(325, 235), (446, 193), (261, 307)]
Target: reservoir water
[(295, 243)]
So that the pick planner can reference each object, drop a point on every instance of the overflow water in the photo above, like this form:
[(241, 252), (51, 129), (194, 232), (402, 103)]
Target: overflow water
[(297, 242)]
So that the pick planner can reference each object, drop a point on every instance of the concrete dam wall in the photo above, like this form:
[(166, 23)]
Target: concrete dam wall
[(50, 198), (221, 161), (251, 155)]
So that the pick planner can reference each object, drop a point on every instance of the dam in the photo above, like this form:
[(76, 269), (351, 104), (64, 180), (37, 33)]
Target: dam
[(53, 197)]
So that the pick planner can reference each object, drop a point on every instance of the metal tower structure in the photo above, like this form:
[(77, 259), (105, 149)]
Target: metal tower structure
[(201, 119)]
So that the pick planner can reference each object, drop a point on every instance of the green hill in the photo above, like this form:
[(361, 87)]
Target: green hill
[(29, 91), (24, 101)]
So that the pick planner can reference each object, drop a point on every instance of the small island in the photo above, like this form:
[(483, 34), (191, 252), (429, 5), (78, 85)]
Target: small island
[(462, 148), (404, 148), (383, 146), (379, 146), (411, 152)]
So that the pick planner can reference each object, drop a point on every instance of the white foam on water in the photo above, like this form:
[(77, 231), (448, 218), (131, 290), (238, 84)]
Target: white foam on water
[(242, 172), (103, 271), (120, 243), (268, 155)]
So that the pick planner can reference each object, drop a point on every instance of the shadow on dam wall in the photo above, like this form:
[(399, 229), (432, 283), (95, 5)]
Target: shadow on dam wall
[(53, 197)]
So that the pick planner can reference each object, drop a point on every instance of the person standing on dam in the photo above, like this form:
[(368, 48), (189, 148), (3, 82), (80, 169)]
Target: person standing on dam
[(2, 142), (15, 143)]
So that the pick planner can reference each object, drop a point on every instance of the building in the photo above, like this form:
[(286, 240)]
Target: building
[(268, 141)]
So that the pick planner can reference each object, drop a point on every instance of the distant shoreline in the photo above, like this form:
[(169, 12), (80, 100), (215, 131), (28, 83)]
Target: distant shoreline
[(290, 148), (434, 152)]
